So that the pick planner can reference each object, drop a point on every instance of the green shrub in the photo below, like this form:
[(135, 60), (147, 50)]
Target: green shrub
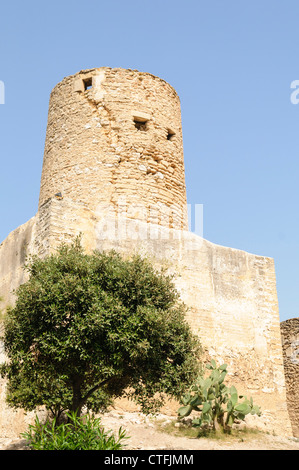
[(218, 405), (89, 328), (79, 433)]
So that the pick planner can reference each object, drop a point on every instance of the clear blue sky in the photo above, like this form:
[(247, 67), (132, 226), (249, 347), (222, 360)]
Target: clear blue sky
[(231, 62)]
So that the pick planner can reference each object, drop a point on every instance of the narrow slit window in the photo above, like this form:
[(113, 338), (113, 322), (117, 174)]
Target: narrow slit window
[(87, 83), (170, 134), (140, 124)]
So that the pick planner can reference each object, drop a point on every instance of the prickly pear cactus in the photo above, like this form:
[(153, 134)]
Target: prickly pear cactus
[(217, 405)]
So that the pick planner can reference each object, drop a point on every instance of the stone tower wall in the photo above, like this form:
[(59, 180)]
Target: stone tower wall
[(290, 346), (114, 142)]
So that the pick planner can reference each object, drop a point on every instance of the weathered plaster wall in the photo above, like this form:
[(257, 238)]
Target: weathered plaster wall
[(232, 306), (290, 345), (231, 295), (13, 252)]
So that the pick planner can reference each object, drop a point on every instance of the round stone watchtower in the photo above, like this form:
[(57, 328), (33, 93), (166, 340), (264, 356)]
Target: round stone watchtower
[(114, 139)]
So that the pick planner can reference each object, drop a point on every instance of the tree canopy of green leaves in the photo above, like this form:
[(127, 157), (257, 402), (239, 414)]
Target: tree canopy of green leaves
[(87, 328)]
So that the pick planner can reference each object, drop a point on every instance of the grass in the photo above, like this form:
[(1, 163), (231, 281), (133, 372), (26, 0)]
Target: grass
[(237, 435)]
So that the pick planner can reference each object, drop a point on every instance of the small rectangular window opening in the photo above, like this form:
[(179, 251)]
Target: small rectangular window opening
[(140, 124), (87, 83), (170, 134)]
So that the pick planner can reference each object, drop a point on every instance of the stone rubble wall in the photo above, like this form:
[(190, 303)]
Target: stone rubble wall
[(94, 153), (290, 346)]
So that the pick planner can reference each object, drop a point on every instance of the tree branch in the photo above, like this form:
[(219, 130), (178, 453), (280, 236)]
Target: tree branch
[(96, 387)]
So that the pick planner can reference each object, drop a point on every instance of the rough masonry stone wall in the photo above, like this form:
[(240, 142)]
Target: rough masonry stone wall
[(290, 345), (117, 146)]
